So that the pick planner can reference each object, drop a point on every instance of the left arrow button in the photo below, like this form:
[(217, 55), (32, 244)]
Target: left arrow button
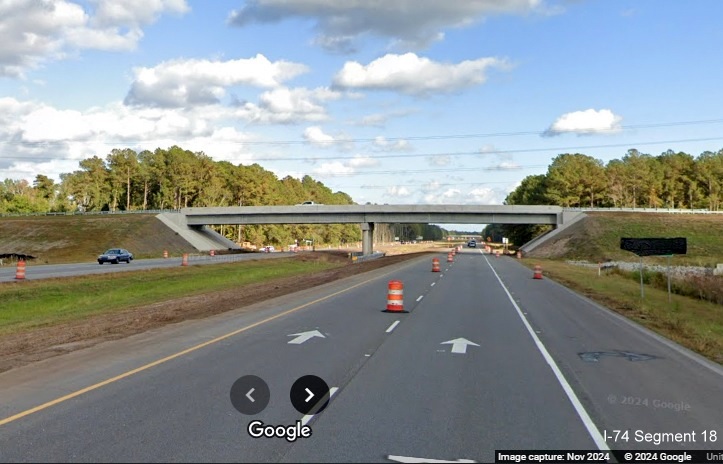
[(248, 395), (242, 391)]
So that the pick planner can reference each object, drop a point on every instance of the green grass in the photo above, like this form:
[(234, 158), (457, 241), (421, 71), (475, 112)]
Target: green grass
[(32, 304), (691, 322), (597, 237)]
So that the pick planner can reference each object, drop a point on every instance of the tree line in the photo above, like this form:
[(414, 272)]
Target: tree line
[(637, 180), (174, 178)]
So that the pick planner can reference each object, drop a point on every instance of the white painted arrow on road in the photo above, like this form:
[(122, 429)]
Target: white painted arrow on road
[(459, 345), (304, 336), (411, 459)]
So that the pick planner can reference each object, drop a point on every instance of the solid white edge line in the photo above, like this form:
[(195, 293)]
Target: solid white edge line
[(305, 420), (579, 408), (391, 327)]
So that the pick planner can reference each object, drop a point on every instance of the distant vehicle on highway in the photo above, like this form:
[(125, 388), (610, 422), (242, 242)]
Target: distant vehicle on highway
[(115, 256), (307, 203), (472, 244), (268, 249)]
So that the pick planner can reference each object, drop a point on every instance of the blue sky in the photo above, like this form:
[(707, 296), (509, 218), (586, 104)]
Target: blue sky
[(394, 101)]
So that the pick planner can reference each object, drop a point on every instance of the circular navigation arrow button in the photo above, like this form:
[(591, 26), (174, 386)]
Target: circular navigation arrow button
[(250, 395), (309, 394)]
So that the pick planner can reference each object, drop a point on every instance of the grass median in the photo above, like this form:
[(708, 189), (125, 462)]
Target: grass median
[(691, 322), (42, 303)]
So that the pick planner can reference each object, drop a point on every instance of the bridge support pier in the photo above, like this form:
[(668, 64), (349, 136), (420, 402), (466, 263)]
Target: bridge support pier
[(367, 238)]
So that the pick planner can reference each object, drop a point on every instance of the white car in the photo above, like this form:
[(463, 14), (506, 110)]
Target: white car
[(307, 203)]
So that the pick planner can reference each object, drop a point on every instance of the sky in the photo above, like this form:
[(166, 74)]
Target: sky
[(389, 101)]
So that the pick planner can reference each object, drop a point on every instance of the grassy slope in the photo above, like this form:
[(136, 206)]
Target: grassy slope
[(68, 239), (597, 237)]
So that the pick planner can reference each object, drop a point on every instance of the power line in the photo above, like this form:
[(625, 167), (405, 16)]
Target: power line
[(425, 155), (399, 138)]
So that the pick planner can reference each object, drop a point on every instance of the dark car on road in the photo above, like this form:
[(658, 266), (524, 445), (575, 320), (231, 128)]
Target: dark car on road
[(115, 256)]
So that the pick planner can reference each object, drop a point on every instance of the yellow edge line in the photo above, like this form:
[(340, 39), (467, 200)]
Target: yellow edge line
[(77, 393)]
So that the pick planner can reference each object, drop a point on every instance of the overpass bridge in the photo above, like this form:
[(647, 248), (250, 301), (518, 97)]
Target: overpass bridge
[(192, 223)]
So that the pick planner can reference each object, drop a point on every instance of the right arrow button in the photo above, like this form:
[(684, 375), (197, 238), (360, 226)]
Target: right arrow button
[(309, 394)]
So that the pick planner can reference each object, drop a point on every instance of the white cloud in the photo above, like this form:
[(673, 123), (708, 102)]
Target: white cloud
[(180, 83), (504, 166), (131, 12), (413, 23), (484, 196), (316, 136), (374, 120), (475, 196), (34, 31), (585, 123), (39, 133), (414, 75), (347, 168), (397, 191), (288, 106), (361, 161), (439, 160), (381, 143)]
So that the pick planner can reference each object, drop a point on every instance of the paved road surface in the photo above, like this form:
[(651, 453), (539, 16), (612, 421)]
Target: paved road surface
[(46, 271), (546, 369)]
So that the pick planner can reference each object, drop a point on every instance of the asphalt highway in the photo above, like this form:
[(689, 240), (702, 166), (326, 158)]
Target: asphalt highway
[(484, 359), (48, 271)]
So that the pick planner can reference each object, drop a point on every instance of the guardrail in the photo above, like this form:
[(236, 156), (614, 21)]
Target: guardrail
[(644, 210), (91, 213)]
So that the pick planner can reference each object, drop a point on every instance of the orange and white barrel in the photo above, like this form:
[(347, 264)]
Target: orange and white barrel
[(450, 258), (165, 253), (395, 297), (435, 265), (212, 252), (184, 262), (20, 270), (538, 272)]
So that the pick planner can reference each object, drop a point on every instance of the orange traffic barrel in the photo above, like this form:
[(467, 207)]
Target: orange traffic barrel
[(165, 253), (538, 272), (519, 255), (185, 260), (20, 270), (450, 258), (497, 253), (435, 265), (395, 297), (212, 253)]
